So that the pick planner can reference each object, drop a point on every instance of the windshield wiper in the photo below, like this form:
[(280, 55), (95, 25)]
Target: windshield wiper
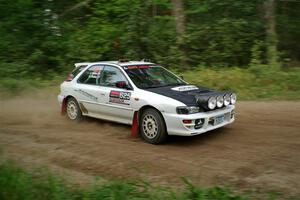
[(174, 84), (153, 86)]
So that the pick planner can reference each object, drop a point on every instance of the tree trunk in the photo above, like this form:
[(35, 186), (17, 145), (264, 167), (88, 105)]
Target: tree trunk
[(178, 12), (271, 36)]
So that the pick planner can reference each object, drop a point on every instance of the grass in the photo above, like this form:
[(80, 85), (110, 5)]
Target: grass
[(11, 86), (17, 184), (254, 83)]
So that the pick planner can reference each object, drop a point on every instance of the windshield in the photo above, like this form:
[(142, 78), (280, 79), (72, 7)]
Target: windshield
[(146, 76)]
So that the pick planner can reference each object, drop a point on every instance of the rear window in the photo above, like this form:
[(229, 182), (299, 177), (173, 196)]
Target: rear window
[(92, 75), (77, 70)]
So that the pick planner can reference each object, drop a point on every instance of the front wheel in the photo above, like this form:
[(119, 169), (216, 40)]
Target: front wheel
[(152, 127), (73, 110)]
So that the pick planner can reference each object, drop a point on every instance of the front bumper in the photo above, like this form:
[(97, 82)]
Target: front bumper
[(175, 125)]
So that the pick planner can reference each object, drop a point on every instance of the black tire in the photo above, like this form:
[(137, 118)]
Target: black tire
[(152, 126), (73, 111)]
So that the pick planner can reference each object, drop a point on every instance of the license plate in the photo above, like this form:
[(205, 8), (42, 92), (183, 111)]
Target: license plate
[(219, 119)]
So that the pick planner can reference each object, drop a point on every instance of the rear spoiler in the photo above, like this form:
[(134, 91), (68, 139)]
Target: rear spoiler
[(80, 64)]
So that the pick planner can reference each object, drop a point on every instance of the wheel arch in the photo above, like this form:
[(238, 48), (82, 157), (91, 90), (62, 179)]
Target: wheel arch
[(145, 107), (64, 104)]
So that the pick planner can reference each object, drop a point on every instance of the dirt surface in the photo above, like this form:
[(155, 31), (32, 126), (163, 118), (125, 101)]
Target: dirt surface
[(260, 151)]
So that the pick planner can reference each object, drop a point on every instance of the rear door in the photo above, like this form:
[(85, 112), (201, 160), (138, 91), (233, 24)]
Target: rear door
[(87, 90)]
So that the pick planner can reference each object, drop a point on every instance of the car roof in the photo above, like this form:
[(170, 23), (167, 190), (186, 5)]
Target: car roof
[(121, 64)]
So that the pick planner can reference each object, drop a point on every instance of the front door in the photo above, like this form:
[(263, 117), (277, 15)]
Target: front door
[(117, 101)]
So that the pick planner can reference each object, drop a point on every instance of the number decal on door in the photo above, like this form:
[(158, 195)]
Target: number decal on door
[(125, 95), (119, 97)]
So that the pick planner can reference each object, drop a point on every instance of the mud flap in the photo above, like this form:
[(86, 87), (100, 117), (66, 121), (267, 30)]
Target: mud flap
[(64, 106), (135, 125)]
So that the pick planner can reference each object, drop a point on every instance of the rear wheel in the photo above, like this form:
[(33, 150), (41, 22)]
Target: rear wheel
[(73, 110), (152, 126)]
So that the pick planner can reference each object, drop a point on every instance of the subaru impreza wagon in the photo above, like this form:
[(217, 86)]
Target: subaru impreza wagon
[(156, 102)]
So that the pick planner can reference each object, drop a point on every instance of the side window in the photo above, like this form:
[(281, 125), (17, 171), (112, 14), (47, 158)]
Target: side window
[(92, 75), (111, 75)]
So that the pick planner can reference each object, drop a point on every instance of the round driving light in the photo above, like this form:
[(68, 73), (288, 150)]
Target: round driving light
[(232, 98), (212, 103), (226, 99), (220, 101)]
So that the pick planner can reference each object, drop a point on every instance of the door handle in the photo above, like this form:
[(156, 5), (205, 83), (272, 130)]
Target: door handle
[(102, 93)]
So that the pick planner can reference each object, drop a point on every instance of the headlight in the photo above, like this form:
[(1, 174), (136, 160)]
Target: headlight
[(232, 98), (220, 101), (187, 110), (227, 99), (212, 102)]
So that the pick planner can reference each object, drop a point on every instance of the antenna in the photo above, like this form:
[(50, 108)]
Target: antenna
[(146, 60)]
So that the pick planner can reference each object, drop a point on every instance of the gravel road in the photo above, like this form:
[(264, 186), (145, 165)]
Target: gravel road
[(261, 150)]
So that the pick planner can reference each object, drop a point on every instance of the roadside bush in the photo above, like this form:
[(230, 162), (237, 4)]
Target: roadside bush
[(17, 184), (254, 83)]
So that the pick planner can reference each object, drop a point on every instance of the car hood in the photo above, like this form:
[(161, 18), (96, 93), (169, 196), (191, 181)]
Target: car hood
[(187, 94)]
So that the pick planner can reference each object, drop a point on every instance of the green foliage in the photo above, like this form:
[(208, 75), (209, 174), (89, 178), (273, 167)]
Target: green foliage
[(127, 29), (11, 86), (16, 184), (42, 40), (51, 35), (221, 33), (256, 53), (288, 23), (219, 193), (257, 82)]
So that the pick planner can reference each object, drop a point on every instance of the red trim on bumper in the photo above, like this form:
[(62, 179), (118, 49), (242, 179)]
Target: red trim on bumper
[(64, 106), (135, 126)]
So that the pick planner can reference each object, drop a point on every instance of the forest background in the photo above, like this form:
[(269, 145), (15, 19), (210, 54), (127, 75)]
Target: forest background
[(252, 47)]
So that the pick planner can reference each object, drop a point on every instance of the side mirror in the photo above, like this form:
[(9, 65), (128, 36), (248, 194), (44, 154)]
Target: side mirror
[(181, 77), (121, 84)]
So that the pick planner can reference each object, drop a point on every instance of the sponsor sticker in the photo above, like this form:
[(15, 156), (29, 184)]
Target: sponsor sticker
[(86, 94), (119, 97), (185, 88), (137, 67)]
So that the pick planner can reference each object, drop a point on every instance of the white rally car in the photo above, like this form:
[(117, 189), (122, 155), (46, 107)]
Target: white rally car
[(147, 96)]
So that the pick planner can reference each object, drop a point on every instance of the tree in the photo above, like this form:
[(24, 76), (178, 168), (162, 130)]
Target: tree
[(221, 33), (178, 13), (271, 36)]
